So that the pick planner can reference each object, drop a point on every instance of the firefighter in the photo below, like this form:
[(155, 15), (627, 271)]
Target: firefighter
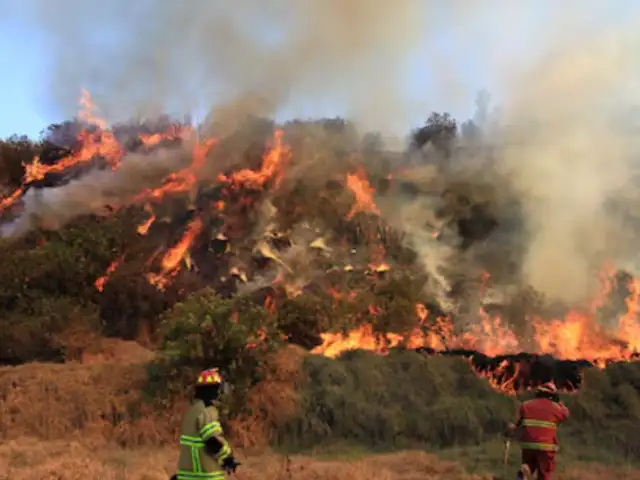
[(204, 452), (536, 424)]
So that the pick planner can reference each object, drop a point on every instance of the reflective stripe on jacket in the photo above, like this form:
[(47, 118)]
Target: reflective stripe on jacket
[(538, 423), (199, 425)]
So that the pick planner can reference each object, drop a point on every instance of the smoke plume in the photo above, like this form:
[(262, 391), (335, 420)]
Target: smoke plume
[(564, 151), (256, 56)]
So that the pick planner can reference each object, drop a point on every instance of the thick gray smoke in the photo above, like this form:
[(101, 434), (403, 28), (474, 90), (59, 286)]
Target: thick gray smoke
[(560, 144), (568, 157), (142, 57)]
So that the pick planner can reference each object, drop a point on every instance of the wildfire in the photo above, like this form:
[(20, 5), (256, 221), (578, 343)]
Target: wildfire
[(96, 141), (144, 227), (502, 378), (181, 181), (574, 337), (578, 335)]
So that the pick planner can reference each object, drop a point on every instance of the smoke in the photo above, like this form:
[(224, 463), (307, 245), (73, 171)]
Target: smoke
[(567, 157), (138, 58), (560, 150), (52, 208)]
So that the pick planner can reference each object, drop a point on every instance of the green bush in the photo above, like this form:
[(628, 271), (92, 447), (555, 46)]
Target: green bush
[(606, 412), (303, 318), (61, 263), (399, 400), (407, 399), (207, 331)]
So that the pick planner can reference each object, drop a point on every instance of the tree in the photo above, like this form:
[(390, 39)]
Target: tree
[(440, 129), (14, 153)]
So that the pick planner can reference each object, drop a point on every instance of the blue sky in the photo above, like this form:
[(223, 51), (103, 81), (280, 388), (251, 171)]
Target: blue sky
[(19, 53), (471, 51)]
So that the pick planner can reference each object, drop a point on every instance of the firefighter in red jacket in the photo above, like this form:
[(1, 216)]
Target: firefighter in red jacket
[(536, 424)]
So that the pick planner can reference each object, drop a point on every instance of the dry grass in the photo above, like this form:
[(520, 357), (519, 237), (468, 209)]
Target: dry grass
[(599, 472), (28, 459), (79, 421), (114, 350), (102, 401), (32, 459), (272, 401)]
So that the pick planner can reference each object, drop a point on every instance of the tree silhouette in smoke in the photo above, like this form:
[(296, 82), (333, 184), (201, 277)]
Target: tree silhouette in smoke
[(440, 130)]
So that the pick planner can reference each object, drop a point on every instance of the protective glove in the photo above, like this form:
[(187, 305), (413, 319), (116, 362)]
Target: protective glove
[(229, 464)]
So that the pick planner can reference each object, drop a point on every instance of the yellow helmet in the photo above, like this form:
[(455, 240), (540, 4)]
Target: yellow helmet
[(209, 377)]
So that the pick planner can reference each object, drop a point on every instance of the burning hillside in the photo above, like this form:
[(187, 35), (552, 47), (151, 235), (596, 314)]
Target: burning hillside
[(285, 212)]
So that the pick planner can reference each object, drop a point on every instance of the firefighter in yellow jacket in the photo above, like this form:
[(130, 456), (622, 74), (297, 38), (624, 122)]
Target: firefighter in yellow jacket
[(204, 452)]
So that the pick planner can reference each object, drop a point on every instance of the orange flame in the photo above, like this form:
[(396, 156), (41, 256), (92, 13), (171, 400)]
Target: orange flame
[(95, 142), (11, 199), (144, 227), (577, 336), (101, 281), (358, 183), (500, 378), (183, 180), (170, 264), (272, 166)]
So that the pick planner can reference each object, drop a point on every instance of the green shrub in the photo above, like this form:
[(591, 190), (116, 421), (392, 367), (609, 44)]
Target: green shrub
[(14, 152), (62, 263), (407, 398), (402, 399), (605, 413), (303, 318), (206, 331)]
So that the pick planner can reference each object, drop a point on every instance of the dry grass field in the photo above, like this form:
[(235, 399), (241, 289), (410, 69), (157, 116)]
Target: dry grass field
[(29, 459), (62, 460), (88, 421)]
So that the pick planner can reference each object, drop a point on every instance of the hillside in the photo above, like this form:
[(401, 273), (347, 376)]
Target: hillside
[(353, 296)]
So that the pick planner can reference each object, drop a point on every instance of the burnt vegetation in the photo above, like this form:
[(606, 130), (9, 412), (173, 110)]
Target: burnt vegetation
[(61, 267), (229, 300)]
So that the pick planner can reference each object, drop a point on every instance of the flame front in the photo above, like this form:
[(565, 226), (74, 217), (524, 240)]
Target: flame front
[(575, 337)]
